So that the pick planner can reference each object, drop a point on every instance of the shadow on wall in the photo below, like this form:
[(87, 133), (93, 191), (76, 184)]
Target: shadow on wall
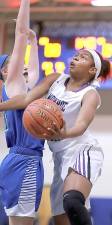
[(101, 211)]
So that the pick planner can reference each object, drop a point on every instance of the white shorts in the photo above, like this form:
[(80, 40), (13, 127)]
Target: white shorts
[(21, 184), (86, 160)]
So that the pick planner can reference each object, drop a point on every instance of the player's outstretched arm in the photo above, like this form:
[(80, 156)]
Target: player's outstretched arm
[(33, 67), (16, 64), (21, 101)]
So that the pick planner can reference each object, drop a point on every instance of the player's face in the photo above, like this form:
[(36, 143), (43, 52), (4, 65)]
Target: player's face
[(81, 63), (4, 72)]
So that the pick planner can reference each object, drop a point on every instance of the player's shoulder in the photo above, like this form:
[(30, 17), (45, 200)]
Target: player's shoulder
[(92, 95), (91, 91)]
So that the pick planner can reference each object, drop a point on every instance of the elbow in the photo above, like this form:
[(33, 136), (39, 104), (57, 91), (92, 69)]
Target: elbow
[(83, 129), (82, 132)]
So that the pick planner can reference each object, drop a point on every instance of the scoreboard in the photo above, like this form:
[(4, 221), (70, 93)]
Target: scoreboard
[(55, 53)]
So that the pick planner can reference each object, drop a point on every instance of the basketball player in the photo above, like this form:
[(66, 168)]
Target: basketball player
[(77, 155), (21, 172)]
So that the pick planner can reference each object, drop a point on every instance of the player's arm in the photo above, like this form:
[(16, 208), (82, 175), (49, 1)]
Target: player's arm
[(90, 103), (21, 101), (33, 67), (87, 112), (16, 64)]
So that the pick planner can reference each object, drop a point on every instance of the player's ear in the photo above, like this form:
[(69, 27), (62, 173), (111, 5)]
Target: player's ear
[(92, 70), (4, 71)]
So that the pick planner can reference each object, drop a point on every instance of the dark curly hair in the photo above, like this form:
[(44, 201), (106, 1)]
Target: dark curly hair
[(105, 69)]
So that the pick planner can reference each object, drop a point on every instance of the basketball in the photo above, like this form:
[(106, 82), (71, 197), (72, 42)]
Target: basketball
[(40, 115)]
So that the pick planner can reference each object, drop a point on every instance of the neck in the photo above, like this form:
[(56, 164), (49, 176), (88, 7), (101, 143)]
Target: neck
[(73, 82), (72, 85)]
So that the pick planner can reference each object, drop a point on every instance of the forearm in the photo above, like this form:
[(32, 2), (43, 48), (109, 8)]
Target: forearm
[(22, 22), (16, 64), (21, 101), (17, 102), (77, 130)]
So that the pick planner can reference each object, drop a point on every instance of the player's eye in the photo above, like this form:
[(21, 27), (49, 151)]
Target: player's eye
[(82, 56)]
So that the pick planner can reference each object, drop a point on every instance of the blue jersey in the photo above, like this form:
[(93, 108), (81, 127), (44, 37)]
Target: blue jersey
[(16, 135)]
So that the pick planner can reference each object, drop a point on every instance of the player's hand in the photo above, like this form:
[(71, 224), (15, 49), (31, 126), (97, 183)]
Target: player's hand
[(56, 134), (31, 35)]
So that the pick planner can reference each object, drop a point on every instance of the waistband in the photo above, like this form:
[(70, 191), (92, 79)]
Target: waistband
[(25, 151)]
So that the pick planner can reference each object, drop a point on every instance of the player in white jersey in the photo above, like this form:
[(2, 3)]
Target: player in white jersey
[(77, 155), (21, 172)]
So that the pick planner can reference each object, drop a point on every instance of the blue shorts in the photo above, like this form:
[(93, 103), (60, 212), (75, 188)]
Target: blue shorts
[(21, 184)]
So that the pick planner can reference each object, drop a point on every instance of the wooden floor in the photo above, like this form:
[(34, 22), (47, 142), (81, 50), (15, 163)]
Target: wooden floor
[(44, 213)]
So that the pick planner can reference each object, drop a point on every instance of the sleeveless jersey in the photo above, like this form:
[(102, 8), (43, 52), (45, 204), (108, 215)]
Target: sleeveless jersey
[(16, 135), (70, 104)]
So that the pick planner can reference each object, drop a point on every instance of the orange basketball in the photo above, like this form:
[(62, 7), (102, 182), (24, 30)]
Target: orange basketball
[(40, 115)]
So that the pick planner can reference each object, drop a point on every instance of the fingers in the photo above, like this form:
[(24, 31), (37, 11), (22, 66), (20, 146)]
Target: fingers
[(52, 133), (57, 130), (55, 133)]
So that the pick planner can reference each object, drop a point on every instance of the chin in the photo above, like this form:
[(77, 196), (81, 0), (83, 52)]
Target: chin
[(71, 71)]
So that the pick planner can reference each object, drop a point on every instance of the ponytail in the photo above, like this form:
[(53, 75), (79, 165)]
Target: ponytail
[(105, 69)]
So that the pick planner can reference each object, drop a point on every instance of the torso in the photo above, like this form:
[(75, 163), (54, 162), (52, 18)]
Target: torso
[(70, 104)]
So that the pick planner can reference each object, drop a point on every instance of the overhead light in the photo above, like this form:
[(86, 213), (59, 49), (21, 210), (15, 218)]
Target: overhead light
[(101, 2)]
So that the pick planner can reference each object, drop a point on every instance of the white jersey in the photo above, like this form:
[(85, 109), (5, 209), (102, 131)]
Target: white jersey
[(82, 154), (70, 104)]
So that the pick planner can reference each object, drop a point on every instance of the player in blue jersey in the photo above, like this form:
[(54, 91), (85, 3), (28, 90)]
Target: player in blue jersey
[(21, 172)]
